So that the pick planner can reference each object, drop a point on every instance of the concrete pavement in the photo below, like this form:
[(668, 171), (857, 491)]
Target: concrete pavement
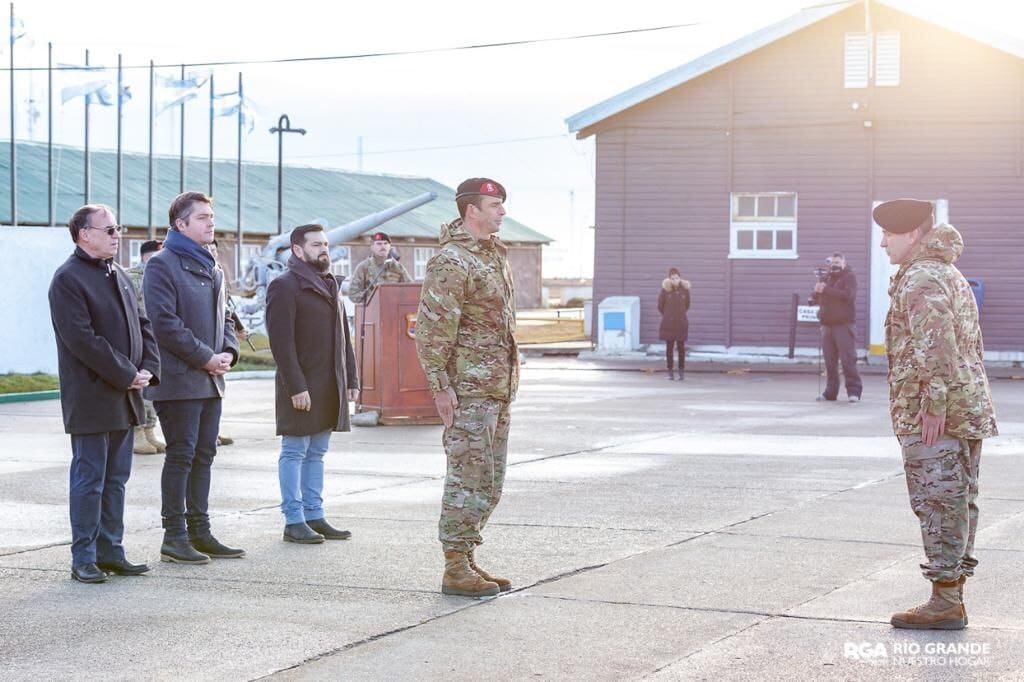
[(725, 527)]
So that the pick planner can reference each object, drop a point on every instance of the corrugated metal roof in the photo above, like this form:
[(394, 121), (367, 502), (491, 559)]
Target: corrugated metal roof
[(765, 36), (334, 196)]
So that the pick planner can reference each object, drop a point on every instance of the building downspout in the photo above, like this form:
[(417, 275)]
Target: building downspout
[(731, 180)]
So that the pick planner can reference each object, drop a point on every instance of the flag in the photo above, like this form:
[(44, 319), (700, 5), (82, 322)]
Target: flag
[(106, 98), (175, 91), (231, 109), (87, 81)]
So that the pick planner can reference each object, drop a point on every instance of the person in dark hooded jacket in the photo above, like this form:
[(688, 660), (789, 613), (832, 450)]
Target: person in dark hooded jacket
[(836, 296), (673, 303)]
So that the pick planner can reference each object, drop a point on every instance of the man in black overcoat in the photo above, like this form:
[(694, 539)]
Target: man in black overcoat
[(186, 297), (316, 377), (106, 356)]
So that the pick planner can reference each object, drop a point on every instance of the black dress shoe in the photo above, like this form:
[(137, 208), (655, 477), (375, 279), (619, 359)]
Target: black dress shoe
[(328, 531), (122, 567), (88, 573), (302, 534), (181, 552), (207, 544)]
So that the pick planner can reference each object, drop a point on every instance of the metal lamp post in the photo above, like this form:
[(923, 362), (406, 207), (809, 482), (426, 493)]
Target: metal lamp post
[(284, 125)]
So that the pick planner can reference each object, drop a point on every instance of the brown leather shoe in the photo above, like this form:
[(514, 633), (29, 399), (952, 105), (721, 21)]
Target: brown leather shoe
[(944, 611), (504, 584), (461, 580)]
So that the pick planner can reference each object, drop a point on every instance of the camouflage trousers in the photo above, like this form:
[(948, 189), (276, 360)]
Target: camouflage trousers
[(942, 480), (150, 415), (477, 447)]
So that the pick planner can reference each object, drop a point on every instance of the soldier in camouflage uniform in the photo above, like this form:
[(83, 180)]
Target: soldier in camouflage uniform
[(146, 442), (379, 268), (939, 399), (465, 340)]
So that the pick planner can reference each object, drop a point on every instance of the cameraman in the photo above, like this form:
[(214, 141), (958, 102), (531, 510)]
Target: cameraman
[(835, 293)]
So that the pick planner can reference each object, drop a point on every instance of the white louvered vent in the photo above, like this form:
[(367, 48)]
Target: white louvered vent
[(856, 60), (887, 58)]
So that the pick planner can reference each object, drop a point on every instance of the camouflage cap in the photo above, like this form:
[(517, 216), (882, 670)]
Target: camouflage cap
[(901, 216)]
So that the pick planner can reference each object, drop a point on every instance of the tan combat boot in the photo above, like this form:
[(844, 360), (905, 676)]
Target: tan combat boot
[(504, 584), (461, 580), (963, 607), (142, 446), (153, 440), (944, 611)]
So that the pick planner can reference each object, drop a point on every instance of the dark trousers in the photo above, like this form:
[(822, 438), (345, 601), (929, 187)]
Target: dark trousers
[(681, 349), (839, 345), (100, 466), (190, 428)]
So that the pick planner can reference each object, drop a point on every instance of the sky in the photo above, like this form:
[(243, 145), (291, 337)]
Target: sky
[(497, 112)]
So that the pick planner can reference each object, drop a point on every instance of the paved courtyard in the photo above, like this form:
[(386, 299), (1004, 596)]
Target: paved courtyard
[(726, 527)]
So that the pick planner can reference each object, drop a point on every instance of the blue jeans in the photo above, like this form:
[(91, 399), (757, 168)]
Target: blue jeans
[(300, 469), (100, 466), (190, 427)]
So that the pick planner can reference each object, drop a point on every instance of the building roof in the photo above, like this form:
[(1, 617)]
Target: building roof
[(334, 197), (765, 36)]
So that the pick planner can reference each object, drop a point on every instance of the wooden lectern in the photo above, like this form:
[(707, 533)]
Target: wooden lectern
[(393, 383)]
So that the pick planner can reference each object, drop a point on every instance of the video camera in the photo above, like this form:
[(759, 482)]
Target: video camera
[(821, 274)]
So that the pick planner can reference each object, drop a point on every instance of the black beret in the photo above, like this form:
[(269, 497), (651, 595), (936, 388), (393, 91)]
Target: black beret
[(480, 187), (901, 216), (150, 247), (381, 237)]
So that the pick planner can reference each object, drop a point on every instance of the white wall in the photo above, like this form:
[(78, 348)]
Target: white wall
[(28, 258)]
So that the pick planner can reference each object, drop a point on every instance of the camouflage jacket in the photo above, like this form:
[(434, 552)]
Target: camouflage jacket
[(465, 329), (135, 274), (933, 342), (359, 289)]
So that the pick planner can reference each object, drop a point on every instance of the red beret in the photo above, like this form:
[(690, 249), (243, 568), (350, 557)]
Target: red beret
[(381, 237), (901, 216), (480, 187)]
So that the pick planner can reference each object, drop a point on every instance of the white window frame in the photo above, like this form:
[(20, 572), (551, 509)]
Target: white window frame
[(248, 252), (135, 252), (421, 255), (343, 264), (754, 223)]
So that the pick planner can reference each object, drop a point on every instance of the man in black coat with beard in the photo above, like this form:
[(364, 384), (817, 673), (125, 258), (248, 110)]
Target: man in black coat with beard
[(837, 296), (106, 355), (316, 377)]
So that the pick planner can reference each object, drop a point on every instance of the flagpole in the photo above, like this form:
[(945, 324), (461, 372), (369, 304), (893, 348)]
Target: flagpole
[(88, 100), (238, 206), (209, 183), (14, 152), (49, 132), (149, 208), (181, 160), (120, 78)]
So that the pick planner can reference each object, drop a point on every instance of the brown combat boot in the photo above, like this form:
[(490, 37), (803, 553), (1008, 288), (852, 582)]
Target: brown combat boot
[(504, 584), (944, 611), (153, 440), (461, 580), (143, 446)]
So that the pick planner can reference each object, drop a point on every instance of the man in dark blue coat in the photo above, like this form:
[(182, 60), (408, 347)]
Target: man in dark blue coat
[(186, 300), (106, 356), (316, 377)]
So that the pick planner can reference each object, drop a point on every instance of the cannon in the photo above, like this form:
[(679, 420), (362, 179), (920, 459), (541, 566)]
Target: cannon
[(261, 270)]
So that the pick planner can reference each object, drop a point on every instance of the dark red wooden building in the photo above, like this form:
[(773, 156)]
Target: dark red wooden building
[(746, 167)]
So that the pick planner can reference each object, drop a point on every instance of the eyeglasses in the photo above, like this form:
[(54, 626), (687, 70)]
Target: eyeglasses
[(111, 230)]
